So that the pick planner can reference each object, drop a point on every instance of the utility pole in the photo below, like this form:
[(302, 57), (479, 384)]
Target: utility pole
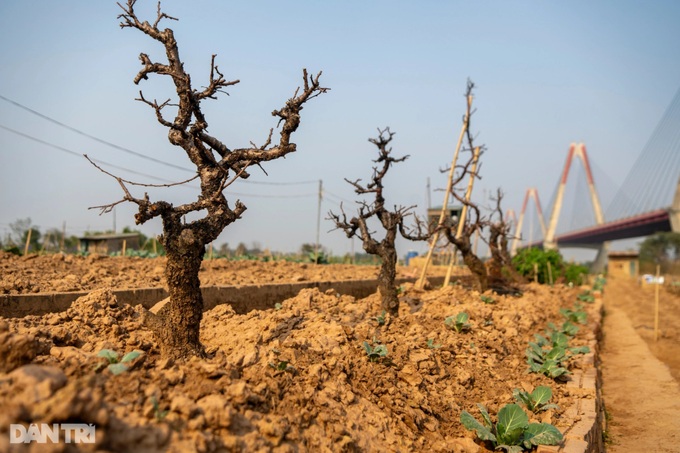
[(429, 200), (318, 223)]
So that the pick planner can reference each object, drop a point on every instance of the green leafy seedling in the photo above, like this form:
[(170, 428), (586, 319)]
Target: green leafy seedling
[(380, 319), (115, 366), (376, 352), (513, 432), (487, 299), (459, 323), (281, 365), (568, 328), (575, 316), (586, 296), (431, 345), (546, 356), (158, 414), (537, 400), (278, 306)]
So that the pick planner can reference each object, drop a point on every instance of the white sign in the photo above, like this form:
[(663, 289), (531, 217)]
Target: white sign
[(69, 433)]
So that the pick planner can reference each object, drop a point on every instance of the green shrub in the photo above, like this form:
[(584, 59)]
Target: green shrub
[(525, 259)]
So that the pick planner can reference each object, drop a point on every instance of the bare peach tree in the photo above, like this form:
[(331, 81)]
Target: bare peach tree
[(497, 274), (391, 221), (473, 223), (501, 272), (176, 326)]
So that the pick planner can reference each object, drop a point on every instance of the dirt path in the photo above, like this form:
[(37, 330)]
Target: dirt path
[(641, 396)]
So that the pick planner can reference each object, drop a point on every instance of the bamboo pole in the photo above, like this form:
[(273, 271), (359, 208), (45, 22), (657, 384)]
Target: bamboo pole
[(550, 278), (155, 250), (656, 303), (124, 247), (210, 251), (63, 237), (535, 272), (463, 214), (421, 281), (28, 241), (45, 242)]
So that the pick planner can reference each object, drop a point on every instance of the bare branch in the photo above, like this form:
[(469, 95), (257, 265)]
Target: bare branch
[(119, 179), (161, 15)]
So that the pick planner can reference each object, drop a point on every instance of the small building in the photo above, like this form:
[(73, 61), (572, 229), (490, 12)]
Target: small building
[(454, 213), (623, 264), (109, 243)]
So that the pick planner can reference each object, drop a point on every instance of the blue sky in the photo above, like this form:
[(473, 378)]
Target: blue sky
[(547, 74)]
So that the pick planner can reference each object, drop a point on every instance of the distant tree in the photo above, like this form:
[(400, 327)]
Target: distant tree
[(391, 221), (223, 249), (19, 229), (51, 240), (309, 252), (306, 249), (660, 249), (176, 326), (241, 249)]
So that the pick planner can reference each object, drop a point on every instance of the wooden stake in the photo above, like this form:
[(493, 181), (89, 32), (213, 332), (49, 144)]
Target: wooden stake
[(45, 242), (210, 251), (63, 237), (550, 279), (656, 303), (445, 207), (28, 241), (463, 214), (154, 247), (535, 272), (124, 246)]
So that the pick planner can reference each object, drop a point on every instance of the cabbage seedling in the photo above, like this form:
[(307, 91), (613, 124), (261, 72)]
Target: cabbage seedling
[(487, 299), (115, 366), (513, 432), (537, 400), (576, 315), (376, 352), (586, 296), (459, 323), (431, 345), (381, 318)]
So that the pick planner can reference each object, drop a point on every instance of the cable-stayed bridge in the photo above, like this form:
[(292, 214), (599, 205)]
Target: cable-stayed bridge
[(647, 202)]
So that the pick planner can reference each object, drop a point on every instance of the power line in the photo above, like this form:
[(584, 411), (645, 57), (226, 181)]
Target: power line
[(101, 162), (92, 137), (74, 153), (129, 151)]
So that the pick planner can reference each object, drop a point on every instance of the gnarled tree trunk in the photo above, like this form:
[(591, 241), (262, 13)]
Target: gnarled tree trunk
[(388, 274), (391, 221), (177, 324)]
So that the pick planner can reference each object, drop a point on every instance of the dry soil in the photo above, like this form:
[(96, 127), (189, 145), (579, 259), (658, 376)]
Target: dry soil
[(293, 379)]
